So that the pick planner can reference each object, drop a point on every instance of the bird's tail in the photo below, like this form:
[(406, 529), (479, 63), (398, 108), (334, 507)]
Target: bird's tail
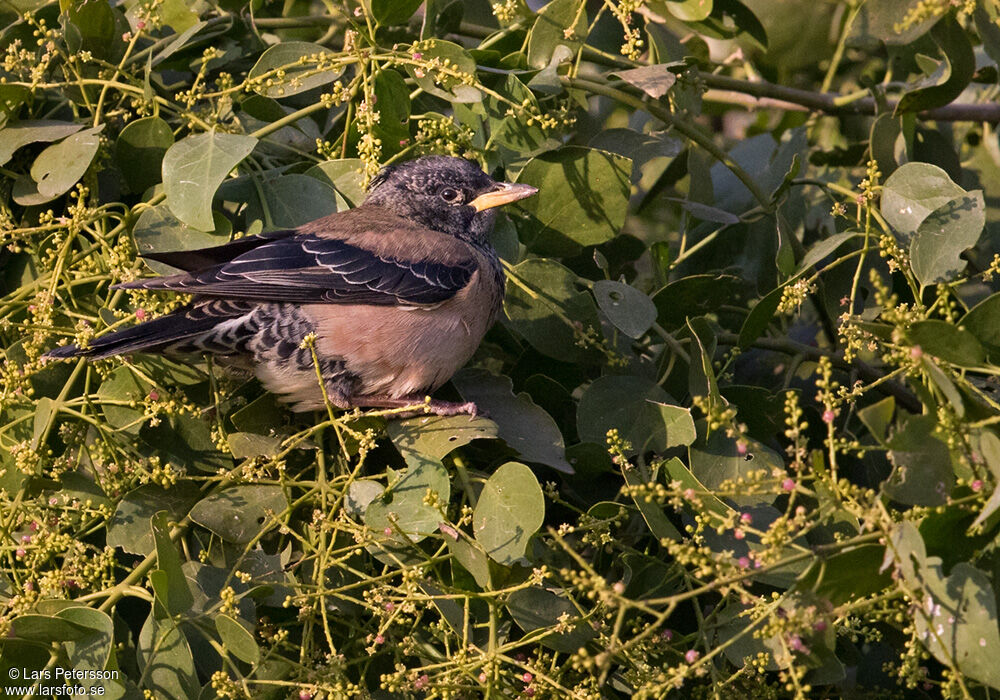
[(185, 324)]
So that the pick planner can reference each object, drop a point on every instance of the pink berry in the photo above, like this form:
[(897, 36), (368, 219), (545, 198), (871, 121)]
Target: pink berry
[(916, 352), (828, 416), (527, 677), (739, 534), (741, 448), (20, 552), (305, 695), (691, 655), (379, 639), (746, 518), (977, 485), (140, 314), (154, 396), (788, 484), (744, 562)]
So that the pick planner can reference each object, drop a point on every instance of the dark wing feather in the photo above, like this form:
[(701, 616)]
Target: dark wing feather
[(309, 268), (160, 333), (192, 260)]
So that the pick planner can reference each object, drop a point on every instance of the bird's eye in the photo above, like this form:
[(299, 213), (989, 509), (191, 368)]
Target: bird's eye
[(449, 195)]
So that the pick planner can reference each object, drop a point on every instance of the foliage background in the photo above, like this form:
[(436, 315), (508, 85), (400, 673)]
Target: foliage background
[(743, 400)]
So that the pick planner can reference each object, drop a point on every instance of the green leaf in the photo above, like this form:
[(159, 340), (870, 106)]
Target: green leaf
[(947, 342), (760, 316), (947, 231), (878, 417), (237, 639), (983, 321), (956, 70), (443, 83), (292, 67), (244, 445), (631, 311), (436, 436), (546, 314), (922, 475), (582, 199), (392, 100), (129, 527), (193, 169), (345, 175), (47, 629), (360, 495), (847, 575), (20, 133), (290, 201), (534, 608), (168, 560), (698, 295), (521, 423), (689, 10), (913, 192), (122, 385), (401, 507), (240, 513), (678, 423), (701, 373), (554, 21), (139, 152), (90, 26), (718, 459), (177, 15), (165, 660), (158, 231), (630, 404), (389, 12), (471, 556), (955, 615), (655, 80), (93, 651), (989, 447), (510, 510), (61, 165), (826, 247)]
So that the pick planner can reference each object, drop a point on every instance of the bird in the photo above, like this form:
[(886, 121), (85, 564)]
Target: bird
[(387, 300)]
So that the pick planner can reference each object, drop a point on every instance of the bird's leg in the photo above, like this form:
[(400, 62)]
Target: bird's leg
[(435, 406)]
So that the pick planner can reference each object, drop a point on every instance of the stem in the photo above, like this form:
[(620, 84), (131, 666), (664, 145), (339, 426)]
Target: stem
[(688, 129)]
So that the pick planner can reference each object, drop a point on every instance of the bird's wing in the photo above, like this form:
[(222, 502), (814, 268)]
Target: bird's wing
[(359, 265)]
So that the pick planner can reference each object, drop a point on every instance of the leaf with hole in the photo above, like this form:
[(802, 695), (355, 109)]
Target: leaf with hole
[(631, 311), (240, 513)]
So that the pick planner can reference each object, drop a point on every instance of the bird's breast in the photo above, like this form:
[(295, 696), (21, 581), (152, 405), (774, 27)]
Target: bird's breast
[(403, 350)]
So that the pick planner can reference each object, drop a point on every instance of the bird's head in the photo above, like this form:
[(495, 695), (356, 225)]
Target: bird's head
[(451, 195)]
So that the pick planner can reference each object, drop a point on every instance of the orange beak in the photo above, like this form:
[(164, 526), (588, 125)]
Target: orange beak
[(504, 193)]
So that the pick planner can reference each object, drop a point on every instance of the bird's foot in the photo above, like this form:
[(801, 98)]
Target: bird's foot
[(450, 408), (422, 405)]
